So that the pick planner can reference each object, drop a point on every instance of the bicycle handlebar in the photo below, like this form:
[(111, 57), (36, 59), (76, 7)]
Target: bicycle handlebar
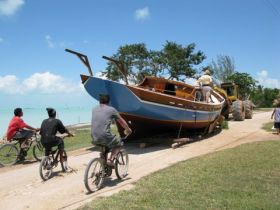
[(65, 135), (124, 138)]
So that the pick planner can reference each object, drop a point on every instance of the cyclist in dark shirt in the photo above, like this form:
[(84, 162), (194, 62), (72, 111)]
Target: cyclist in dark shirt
[(48, 131)]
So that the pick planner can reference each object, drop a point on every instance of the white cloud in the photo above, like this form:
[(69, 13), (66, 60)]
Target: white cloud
[(142, 14), (265, 81), (8, 84), (49, 41), (45, 83), (52, 44), (9, 7), (1, 40), (99, 75)]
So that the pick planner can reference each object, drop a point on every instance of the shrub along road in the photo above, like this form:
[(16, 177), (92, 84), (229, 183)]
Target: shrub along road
[(22, 188)]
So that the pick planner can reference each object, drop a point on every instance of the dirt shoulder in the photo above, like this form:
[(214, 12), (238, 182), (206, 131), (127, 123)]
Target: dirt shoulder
[(22, 188)]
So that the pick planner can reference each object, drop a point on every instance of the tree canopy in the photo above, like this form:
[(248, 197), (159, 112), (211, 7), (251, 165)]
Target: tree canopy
[(222, 68), (245, 82), (173, 61), (265, 97)]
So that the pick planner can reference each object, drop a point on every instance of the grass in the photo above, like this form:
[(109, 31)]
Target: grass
[(225, 125), (246, 177), (268, 126), (81, 139), (263, 109)]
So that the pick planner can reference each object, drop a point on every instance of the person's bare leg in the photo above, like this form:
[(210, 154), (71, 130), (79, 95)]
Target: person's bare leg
[(25, 143), (114, 152), (63, 159)]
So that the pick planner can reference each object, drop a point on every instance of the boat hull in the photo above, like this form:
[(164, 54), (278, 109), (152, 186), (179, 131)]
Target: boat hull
[(142, 113)]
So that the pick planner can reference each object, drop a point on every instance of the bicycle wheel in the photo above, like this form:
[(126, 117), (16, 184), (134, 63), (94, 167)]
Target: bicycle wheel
[(8, 154), (38, 151), (121, 164), (94, 175), (45, 168)]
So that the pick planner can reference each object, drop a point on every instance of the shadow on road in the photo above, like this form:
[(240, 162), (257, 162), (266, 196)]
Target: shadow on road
[(164, 141)]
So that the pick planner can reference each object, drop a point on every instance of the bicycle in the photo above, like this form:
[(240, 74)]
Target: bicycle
[(10, 153), (48, 163), (97, 169)]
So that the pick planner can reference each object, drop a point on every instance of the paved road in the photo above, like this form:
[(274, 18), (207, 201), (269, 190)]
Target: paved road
[(22, 188)]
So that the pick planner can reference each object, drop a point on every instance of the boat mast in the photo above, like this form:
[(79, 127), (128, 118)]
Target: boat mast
[(120, 66), (83, 58)]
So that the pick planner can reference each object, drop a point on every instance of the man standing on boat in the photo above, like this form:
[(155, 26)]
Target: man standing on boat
[(206, 82), (102, 117)]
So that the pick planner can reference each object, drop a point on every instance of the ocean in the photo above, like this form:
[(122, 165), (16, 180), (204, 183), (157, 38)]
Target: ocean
[(35, 116)]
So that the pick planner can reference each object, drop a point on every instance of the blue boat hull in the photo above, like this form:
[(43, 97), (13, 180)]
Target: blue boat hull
[(140, 113)]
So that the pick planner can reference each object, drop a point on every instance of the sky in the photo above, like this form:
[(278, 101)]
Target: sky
[(35, 71)]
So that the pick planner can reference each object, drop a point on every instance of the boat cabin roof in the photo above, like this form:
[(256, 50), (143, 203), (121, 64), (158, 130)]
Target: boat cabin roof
[(175, 88), (152, 80)]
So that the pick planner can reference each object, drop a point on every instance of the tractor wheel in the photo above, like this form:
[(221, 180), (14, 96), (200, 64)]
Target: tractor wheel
[(248, 109), (238, 111)]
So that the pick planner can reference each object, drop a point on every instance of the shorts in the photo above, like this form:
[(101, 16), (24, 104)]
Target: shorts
[(23, 134), (48, 146), (277, 125), (206, 91), (112, 142)]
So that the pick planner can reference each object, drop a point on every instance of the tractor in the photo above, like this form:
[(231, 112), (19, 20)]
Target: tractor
[(240, 109)]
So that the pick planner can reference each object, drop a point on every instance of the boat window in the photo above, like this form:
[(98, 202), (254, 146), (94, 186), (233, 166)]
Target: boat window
[(170, 89), (180, 92), (230, 91), (159, 87)]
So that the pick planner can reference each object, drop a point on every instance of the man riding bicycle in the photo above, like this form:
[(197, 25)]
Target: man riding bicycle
[(17, 130), (48, 131), (102, 117)]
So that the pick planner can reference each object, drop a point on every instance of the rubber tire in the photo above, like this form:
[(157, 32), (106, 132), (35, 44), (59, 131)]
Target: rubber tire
[(101, 172), (42, 165), (38, 151), (238, 111), (13, 151), (121, 160), (226, 116), (248, 109)]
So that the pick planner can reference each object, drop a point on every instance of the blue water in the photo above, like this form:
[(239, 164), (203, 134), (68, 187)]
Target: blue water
[(35, 116)]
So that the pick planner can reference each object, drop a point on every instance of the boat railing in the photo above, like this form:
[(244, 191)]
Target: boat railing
[(193, 95), (178, 93)]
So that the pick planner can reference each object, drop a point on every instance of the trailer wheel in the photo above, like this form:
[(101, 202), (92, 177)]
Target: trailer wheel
[(248, 109), (238, 112)]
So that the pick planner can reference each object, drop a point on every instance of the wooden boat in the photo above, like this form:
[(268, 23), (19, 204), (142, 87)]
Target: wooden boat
[(157, 104)]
